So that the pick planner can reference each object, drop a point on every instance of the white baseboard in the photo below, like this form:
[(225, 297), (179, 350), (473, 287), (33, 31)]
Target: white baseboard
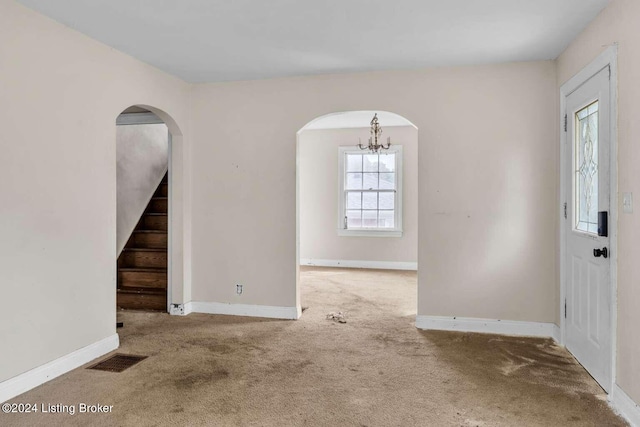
[(489, 326), (243, 310), (555, 333), (187, 308), (40, 375), (625, 406), (379, 265)]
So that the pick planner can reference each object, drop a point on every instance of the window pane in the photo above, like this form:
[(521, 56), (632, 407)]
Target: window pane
[(387, 181), (370, 163), (354, 162), (370, 200), (386, 219), (354, 219), (369, 219), (354, 200), (586, 180), (370, 181), (354, 181), (386, 200), (365, 174), (388, 162)]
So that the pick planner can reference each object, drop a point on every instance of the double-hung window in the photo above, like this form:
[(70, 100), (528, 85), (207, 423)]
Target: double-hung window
[(370, 192)]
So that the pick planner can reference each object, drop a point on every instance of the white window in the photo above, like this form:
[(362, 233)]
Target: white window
[(370, 192)]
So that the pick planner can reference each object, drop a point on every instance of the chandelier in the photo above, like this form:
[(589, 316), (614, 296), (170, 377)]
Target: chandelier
[(376, 131)]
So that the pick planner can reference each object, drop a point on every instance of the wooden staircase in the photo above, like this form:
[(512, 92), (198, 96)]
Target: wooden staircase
[(142, 265)]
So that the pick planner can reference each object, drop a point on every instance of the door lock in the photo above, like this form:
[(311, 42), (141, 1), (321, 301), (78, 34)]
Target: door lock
[(601, 252)]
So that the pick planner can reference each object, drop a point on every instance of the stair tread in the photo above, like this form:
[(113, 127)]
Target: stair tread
[(139, 290), (145, 249), (156, 214), (151, 231), (159, 198)]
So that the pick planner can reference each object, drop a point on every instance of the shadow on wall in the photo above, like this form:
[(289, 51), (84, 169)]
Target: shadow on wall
[(142, 155)]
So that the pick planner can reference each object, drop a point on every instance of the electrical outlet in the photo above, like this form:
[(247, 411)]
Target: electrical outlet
[(239, 289)]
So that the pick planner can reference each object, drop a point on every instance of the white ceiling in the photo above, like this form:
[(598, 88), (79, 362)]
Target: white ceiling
[(223, 40), (357, 119)]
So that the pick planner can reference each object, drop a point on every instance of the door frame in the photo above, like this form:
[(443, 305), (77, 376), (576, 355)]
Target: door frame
[(608, 58), (150, 118)]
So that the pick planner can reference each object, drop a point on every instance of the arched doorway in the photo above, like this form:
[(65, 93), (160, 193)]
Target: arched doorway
[(356, 208), (149, 211)]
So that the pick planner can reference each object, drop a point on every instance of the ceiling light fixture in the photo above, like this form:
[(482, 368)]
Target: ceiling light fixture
[(376, 131)]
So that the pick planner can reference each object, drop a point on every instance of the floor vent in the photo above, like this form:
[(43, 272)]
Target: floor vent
[(117, 362)]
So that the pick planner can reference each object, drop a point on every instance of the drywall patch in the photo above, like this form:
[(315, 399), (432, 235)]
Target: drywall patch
[(177, 310)]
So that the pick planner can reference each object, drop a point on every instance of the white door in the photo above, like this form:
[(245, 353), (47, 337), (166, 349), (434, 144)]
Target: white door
[(587, 261)]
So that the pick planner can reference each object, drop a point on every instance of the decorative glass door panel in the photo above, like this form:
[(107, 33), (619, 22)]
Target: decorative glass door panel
[(586, 169)]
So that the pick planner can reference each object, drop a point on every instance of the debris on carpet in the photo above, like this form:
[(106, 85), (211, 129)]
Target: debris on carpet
[(337, 317)]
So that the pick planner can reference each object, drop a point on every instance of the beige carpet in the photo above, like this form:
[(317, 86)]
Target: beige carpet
[(376, 369)]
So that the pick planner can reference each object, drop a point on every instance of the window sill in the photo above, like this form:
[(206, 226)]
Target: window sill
[(369, 233)]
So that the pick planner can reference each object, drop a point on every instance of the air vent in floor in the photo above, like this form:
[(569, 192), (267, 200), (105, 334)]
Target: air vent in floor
[(117, 363)]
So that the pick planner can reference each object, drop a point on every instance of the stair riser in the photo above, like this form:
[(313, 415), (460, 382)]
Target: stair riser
[(142, 279), (140, 259), (141, 301), (150, 222), (149, 240), (157, 206), (162, 191)]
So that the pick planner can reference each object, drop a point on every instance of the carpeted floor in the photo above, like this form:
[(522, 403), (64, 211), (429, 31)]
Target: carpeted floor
[(376, 369)]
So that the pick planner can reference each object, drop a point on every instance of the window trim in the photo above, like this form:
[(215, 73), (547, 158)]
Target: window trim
[(369, 232)]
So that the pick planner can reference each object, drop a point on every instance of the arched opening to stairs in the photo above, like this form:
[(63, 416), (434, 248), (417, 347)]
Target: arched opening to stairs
[(148, 233)]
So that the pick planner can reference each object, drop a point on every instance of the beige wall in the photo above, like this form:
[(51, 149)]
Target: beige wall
[(487, 184), (60, 94), (619, 23), (318, 175)]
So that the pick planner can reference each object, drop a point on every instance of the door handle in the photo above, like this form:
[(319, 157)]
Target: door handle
[(601, 252)]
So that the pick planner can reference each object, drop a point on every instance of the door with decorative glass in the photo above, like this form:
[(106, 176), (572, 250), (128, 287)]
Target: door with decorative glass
[(586, 214)]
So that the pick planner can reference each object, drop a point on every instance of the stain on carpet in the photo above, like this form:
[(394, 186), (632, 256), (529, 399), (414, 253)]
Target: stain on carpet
[(197, 378), (520, 370)]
